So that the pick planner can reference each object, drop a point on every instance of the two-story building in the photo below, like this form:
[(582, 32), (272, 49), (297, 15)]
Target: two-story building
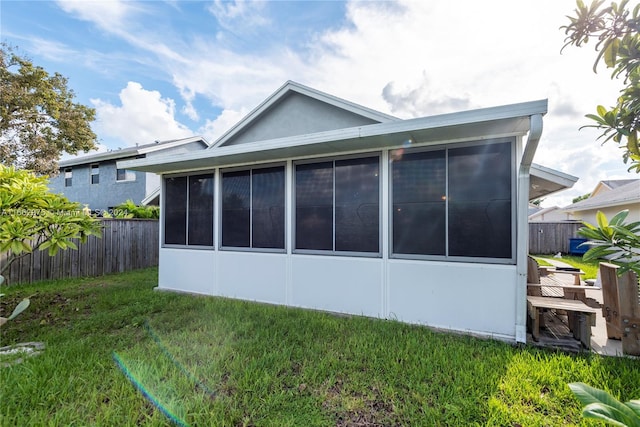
[(95, 180)]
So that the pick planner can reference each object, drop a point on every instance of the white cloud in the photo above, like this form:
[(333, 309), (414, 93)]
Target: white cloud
[(213, 129), (249, 13), (107, 14), (143, 117), (408, 58), (417, 100)]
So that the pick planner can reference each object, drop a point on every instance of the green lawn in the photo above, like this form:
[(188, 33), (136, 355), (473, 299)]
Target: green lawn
[(217, 362), (590, 268)]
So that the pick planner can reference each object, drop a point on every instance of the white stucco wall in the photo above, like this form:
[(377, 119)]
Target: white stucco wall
[(474, 298), (590, 215)]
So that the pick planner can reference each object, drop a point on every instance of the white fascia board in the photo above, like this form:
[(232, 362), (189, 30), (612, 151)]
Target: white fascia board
[(510, 120), (553, 175), (98, 157), (603, 204), (174, 143), (129, 152)]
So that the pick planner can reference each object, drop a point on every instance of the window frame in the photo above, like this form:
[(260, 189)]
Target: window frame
[(449, 258), (94, 167), (163, 212), (250, 169), (334, 252), (68, 177), (129, 175)]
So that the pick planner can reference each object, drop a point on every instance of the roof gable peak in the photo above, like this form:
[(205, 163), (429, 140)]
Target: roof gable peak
[(293, 88)]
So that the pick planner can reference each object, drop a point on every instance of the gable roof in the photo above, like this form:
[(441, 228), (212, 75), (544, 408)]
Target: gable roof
[(131, 151), (385, 132), (610, 184), (288, 89), (622, 195)]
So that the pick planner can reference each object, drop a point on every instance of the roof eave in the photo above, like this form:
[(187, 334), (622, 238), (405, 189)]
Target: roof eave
[(501, 121), (610, 204)]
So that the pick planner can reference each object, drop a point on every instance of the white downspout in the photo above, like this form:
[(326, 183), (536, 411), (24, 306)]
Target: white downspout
[(522, 246)]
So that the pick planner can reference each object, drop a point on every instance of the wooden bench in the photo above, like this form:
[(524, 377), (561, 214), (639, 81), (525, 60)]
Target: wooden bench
[(576, 273), (576, 292), (580, 324)]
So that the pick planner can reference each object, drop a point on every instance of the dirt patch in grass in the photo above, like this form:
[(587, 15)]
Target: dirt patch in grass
[(355, 409)]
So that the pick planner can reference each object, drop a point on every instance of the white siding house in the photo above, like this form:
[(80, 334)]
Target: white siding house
[(609, 197), (313, 201)]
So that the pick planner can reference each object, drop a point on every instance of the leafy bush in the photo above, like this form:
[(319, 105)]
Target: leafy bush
[(614, 240), (31, 217), (129, 209)]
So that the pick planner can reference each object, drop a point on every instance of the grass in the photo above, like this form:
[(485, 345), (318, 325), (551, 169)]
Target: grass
[(590, 268), (219, 362)]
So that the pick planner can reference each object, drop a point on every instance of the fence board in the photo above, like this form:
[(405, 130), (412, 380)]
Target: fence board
[(126, 244), (551, 237)]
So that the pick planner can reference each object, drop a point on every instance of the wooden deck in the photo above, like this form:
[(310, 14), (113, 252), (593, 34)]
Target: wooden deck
[(556, 332)]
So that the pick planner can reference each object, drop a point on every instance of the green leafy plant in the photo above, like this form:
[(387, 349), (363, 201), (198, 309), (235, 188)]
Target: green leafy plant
[(601, 405), (129, 209), (22, 306), (615, 29), (614, 240), (31, 217)]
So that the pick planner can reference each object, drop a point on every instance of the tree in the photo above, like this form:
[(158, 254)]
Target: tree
[(618, 44), (38, 118), (580, 198), (32, 218), (537, 202)]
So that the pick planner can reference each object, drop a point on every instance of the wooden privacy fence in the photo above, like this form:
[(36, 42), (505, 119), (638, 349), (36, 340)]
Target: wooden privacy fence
[(126, 244), (129, 244), (551, 237)]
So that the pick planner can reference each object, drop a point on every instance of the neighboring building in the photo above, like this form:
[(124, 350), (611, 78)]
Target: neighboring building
[(609, 197), (96, 181), (313, 201), (551, 214), (611, 184)]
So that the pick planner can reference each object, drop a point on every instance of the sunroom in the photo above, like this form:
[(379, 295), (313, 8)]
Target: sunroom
[(312, 201)]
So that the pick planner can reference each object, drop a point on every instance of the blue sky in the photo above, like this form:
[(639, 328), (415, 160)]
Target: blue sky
[(157, 70)]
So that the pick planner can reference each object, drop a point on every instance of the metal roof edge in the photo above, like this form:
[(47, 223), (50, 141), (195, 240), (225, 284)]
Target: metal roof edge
[(546, 172), (161, 145), (130, 151), (505, 112)]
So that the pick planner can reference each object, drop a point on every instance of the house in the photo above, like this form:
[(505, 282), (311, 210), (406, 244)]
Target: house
[(609, 197), (313, 201), (95, 180), (550, 214)]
